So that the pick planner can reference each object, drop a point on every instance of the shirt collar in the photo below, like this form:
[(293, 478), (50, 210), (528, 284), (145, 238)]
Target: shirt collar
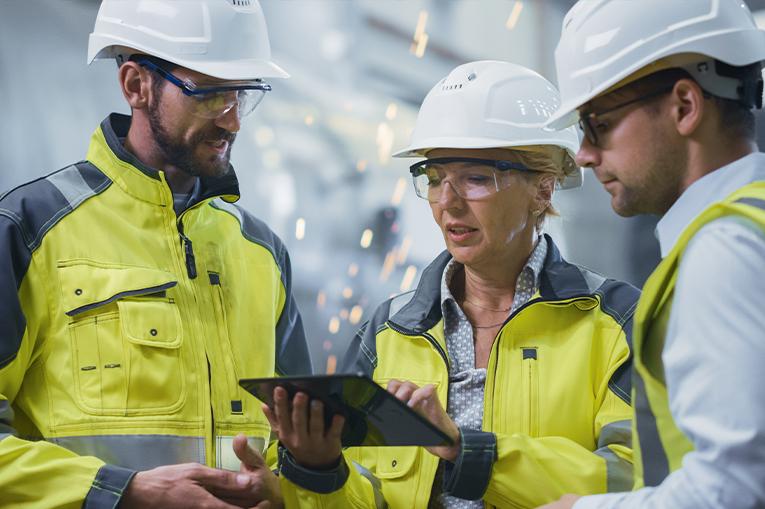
[(709, 189), (534, 265)]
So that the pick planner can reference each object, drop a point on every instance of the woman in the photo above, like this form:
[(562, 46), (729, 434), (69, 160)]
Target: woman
[(528, 353)]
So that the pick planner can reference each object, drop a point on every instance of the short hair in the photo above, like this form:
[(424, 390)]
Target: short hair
[(156, 84), (736, 119)]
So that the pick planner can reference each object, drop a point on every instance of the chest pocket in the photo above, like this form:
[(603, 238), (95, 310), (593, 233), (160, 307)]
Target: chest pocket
[(125, 337)]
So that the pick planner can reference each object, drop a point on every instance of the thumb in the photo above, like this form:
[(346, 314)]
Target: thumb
[(246, 454)]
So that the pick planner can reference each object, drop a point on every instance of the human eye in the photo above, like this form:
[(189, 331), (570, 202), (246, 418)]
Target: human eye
[(478, 178)]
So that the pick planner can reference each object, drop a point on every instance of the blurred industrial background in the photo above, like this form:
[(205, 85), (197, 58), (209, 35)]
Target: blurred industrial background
[(314, 160)]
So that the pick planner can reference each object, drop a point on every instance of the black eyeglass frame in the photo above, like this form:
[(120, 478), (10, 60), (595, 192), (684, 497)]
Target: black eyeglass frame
[(588, 119), (501, 165), (190, 88)]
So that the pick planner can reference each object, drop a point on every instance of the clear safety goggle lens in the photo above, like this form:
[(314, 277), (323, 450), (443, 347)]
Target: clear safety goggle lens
[(216, 104), (470, 178)]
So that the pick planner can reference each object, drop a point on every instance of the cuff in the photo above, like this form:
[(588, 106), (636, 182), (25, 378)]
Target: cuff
[(108, 486), (468, 477), (318, 481)]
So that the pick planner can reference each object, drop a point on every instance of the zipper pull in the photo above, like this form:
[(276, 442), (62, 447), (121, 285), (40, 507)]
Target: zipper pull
[(188, 250)]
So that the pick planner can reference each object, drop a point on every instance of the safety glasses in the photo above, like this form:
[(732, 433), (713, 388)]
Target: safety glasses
[(470, 178), (215, 101), (591, 122)]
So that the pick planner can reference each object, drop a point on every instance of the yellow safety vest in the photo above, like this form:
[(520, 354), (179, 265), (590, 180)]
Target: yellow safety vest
[(659, 444)]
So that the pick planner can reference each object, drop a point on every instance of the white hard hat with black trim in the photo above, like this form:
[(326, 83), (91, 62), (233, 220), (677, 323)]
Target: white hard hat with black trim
[(492, 104), (225, 39), (605, 42)]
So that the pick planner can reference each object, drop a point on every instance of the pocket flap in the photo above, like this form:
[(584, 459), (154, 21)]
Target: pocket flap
[(394, 462), (86, 284), (151, 323)]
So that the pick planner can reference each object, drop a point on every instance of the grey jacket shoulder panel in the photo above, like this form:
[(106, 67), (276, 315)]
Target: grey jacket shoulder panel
[(38, 205)]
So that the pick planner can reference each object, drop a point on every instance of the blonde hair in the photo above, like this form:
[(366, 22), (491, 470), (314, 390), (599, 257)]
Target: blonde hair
[(546, 159)]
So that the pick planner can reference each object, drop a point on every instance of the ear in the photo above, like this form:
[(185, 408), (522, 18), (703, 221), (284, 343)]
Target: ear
[(135, 82), (545, 186), (688, 106)]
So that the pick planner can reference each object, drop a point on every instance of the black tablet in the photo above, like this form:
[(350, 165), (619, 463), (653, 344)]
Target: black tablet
[(373, 416)]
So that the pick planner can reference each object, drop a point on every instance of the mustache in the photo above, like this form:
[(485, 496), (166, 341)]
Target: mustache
[(215, 134)]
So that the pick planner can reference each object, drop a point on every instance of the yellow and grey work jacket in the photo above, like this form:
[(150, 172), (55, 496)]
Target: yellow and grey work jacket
[(124, 327), (556, 406), (659, 444)]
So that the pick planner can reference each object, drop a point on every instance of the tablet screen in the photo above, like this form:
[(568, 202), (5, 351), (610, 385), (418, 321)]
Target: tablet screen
[(373, 416)]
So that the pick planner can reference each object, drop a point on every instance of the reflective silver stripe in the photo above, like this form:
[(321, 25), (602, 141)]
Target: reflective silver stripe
[(754, 202), (5, 435), (138, 452), (652, 454), (380, 502), (618, 470), (224, 451), (70, 183)]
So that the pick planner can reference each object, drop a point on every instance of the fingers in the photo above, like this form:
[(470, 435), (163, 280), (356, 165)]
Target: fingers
[(271, 416), (282, 412), (246, 453), (316, 421), (403, 390), (300, 416), (424, 397), (335, 431)]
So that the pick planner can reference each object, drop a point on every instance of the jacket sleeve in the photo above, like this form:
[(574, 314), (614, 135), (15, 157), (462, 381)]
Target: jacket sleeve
[(37, 473), (292, 355), (522, 471)]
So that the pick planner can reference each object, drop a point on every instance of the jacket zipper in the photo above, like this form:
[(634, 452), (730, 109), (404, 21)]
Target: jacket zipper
[(188, 250), (529, 359)]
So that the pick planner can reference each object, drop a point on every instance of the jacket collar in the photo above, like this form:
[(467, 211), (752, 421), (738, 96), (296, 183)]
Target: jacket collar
[(559, 280), (109, 155)]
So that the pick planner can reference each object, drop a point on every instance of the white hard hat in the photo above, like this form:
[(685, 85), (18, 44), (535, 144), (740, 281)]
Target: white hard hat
[(226, 39), (492, 104), (605, 41)]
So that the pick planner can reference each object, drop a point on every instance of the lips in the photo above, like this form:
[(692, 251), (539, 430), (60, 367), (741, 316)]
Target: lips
[(219, 146), (458, 232)]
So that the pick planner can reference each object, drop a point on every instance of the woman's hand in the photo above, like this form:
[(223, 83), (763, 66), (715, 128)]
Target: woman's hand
[(301, 429), (425, 401)]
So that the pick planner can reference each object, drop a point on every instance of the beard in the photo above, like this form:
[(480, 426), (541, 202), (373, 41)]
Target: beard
[(181, 153)]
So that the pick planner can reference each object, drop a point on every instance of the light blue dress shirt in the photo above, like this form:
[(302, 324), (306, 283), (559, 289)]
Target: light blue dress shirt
[(714, 354)]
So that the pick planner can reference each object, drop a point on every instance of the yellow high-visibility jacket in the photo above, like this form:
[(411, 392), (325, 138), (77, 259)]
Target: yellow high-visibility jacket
[(659, 444), (124, 328), (556, 405)]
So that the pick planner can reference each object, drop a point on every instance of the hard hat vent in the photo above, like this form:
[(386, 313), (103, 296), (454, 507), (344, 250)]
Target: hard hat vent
[(240, 3), (456, 85)]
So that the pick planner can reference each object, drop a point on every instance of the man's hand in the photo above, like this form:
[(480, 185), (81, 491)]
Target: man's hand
[(189, 485), (425, 401), (301, 429), (565, 502), (263, 481)]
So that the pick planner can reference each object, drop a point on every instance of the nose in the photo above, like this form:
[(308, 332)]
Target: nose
[(588, 155), (230, 120), (449, 197)]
